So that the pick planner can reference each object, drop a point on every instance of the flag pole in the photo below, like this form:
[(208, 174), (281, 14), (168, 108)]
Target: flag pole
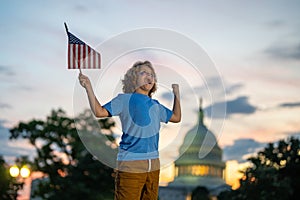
[(67, 30)]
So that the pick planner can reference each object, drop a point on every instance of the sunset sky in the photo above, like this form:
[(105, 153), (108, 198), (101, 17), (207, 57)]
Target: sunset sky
[(254, 46)]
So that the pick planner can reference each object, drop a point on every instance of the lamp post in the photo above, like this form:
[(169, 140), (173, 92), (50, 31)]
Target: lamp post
[(23, 172), (20, 175)]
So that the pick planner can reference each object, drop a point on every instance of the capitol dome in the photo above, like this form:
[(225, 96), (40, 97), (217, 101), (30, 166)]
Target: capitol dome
[(200, 146), (200, 163)]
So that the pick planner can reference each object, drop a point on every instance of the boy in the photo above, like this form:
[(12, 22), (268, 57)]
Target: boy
[(138, 168)]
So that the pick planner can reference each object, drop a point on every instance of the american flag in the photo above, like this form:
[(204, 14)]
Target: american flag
[(80, 55)]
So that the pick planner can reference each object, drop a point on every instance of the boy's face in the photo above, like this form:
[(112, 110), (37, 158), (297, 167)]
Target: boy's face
[(145, 80)]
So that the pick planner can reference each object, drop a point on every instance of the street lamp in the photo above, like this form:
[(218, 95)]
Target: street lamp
[(14, 171), (24, 172)]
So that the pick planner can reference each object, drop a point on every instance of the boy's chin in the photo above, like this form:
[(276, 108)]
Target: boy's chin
[(147, 87)]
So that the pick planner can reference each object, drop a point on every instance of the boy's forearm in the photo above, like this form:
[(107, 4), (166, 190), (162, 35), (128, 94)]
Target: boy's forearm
[(176, 104), (92, 99), (95, 106), (177, 108)]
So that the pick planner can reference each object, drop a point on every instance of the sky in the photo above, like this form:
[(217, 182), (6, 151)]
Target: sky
[(252, 49)]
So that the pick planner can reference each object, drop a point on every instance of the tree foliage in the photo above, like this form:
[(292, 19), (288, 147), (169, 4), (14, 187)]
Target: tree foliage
[(72, 171), (274, 174)]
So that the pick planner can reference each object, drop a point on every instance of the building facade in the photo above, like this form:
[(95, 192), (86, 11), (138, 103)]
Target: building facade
[(200, 169)]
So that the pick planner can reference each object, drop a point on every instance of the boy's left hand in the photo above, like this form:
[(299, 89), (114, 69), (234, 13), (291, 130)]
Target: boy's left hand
[(175, 89)]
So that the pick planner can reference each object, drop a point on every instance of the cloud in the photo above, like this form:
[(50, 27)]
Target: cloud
[(246, 148), (7, 71), (2, 121), (212, 85), (275, 24), (295, 134), (215, 109), (289, 105), (11, 149), (5, 106), (167, 96), (284, 52), (12, 81), (81, 8), (242, 149), (239, 105), (232, 88)]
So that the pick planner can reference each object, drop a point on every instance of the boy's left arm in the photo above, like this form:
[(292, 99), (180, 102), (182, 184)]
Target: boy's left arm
[(176, 117)]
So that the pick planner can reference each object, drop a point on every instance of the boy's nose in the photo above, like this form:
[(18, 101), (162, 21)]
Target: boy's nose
[(149, 74), (149, 78)]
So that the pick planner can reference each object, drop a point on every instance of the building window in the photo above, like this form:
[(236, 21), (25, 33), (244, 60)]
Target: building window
[(199, 170)]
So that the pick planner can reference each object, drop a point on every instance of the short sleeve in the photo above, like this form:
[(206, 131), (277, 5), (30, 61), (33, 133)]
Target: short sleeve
[(115, 106), (165, 114)]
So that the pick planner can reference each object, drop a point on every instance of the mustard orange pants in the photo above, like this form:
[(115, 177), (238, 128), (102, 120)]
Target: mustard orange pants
[(137, 180)]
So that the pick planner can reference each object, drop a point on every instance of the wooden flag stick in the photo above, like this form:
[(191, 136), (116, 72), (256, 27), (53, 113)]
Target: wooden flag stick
[(66, 27)]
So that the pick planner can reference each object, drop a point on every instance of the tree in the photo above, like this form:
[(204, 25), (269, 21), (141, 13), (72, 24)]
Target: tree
[(200, 193), (274, 174), (72, 171), (8, 185)]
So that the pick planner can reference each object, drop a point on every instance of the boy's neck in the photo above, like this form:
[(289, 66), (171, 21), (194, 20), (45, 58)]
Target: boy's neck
[(140, 91)]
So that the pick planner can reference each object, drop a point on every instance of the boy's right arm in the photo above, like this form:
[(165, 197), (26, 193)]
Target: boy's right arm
[(95, 106), (176, 117)]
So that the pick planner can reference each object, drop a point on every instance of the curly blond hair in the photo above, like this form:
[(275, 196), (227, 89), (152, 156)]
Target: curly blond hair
[(130, 78)]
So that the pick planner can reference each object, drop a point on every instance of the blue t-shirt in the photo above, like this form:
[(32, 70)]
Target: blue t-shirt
[(140, 116)]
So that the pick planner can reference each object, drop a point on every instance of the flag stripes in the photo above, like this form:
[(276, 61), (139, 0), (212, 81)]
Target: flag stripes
[(80, 55)]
